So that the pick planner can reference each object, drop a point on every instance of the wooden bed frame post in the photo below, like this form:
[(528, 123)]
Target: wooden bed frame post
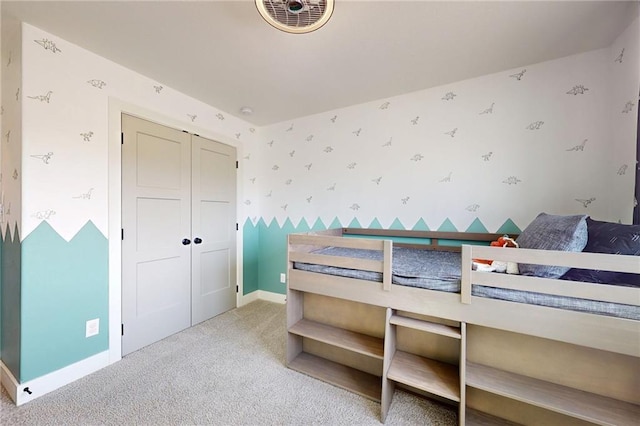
[(388, 260), (465, 278)]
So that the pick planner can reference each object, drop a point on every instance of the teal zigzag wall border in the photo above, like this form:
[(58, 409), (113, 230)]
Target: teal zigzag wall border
[(64, 284), (265, 245)]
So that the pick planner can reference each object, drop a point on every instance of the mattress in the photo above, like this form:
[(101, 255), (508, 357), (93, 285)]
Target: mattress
[(440, 271)]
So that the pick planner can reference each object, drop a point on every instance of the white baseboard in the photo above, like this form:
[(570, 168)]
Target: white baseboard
[(245, 299), (271, 297), (19, 392), (262, 295)]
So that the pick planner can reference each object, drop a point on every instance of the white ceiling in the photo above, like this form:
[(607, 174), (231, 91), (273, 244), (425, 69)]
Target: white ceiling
[(224, 54)]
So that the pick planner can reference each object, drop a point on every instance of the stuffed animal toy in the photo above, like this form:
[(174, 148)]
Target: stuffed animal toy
[(497, 265)]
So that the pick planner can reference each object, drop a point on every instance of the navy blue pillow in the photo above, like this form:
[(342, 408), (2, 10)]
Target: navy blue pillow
[(610, 238)]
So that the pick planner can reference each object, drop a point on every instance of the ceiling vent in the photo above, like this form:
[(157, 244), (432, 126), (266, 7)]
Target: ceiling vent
[(296, 16)]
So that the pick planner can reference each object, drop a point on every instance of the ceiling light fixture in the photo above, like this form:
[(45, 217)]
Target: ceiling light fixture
[(245, 110), (296, 16)]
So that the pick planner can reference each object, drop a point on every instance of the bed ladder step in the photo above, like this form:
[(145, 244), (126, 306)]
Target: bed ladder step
[(561, 399), (430, 327), (426, 374)]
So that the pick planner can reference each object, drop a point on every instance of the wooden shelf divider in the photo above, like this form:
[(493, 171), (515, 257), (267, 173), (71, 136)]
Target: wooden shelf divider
[(561, 399)]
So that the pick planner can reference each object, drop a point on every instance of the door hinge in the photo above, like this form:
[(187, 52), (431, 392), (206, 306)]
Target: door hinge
[(121, 138), (237, 289), (122, 329), (236, 164), (237, 227), (122, 234)]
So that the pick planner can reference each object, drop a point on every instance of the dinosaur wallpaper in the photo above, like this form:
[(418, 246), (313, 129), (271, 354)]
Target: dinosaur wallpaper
[(486, 154)]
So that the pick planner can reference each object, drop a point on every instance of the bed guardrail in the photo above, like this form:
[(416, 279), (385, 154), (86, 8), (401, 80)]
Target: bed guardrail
[(600, 292)]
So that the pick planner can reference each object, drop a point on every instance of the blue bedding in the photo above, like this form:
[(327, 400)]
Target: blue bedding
[(440, 270)]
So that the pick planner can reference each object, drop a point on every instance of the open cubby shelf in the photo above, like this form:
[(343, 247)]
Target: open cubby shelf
[(356, 381), (561, 399), (350, 351)]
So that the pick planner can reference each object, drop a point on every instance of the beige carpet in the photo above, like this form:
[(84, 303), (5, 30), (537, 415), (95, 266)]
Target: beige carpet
[(226, 371)]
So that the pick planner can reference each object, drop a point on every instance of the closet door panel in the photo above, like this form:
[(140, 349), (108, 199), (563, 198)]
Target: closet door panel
[(214, 225), (156, 217)]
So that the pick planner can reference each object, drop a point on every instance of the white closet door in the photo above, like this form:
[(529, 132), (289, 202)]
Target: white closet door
[(156, 218), (213, 228)]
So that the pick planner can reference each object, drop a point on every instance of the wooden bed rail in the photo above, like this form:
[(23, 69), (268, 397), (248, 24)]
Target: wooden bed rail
[(305, 243), (459, 236), (601, 292), (434, 238)]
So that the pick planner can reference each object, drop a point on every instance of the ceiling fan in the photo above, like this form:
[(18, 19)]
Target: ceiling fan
[(296, 16)]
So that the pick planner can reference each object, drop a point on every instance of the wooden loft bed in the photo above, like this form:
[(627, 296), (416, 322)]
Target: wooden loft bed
[(515, 361)]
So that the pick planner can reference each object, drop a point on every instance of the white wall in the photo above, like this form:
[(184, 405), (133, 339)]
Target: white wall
[(71, 125), (625, 72), (398, 158)]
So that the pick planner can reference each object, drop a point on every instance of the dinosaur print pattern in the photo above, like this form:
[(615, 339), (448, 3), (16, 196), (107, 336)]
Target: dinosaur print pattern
[(98, 84), (577, 90), (585, 202), (519, 75), (44, 157), (579, 147), (44, 214), (85, 196), (488, 110), (449, 96), (446, 178), (536, 125), (511, 180), (452, 133), (48, 45), (42, 98), (86, 137), (628, 107)]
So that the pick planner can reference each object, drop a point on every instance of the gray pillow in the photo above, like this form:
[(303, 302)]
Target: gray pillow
[(553, 232)]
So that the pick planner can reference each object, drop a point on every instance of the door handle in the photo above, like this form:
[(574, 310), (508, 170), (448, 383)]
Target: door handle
[(197, 240), (186, 242)]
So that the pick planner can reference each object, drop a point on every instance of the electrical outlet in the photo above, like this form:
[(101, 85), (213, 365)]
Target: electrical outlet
[(283, 278), (92, 327)]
